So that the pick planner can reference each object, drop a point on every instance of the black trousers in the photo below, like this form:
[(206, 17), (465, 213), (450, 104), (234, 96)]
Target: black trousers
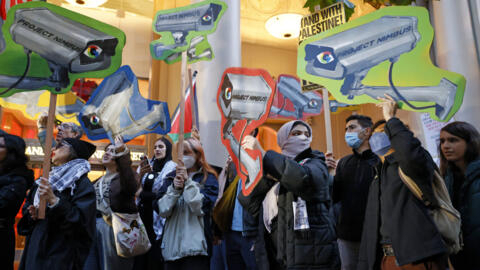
[(188, 263)]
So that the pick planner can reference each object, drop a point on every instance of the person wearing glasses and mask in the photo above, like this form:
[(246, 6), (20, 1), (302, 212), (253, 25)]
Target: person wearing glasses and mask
[(399, 232), (186, 200), (353, 177), (293, 203), (64, 130)]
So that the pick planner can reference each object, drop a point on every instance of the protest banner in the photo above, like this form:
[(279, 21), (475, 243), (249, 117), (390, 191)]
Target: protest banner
[(383, 52), (244, 99)]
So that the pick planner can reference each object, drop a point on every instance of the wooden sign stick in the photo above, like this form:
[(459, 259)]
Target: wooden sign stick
[(182, 108), (48, 149), (192, 100)]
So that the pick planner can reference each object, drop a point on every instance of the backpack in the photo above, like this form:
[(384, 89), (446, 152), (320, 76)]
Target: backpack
[(444, 215)]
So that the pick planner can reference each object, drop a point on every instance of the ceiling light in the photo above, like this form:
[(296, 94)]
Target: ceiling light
[(87, 3), (284, 26)]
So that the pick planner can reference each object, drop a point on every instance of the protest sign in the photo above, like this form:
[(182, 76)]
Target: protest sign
[(244, 99), (185, 29), (49, 47), (117, 108), (383, 52)]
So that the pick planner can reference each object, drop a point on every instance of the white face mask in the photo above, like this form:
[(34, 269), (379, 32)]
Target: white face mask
[(189, 161)]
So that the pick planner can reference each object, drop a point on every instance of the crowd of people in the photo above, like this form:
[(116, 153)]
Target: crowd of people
[(308, 211)]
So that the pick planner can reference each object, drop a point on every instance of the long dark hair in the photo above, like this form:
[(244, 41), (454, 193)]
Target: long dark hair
[(159, 163), (471, 136), (16, 157)]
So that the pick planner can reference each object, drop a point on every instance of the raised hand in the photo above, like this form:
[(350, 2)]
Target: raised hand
[(388, 105)]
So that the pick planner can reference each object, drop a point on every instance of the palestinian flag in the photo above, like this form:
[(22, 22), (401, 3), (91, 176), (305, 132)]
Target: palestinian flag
[(7, 4), (175, 130)]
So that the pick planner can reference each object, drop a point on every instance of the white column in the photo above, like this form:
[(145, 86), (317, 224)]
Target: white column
[(226, 45), (455, 51)]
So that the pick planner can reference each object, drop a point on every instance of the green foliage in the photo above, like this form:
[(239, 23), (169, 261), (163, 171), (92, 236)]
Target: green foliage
[(310, 4)]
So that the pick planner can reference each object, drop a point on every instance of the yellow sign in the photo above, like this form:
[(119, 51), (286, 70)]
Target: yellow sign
[(322, 21), (32, 104)]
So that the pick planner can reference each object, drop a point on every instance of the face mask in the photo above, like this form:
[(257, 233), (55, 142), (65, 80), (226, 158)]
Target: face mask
[(353, 140), (188, 161), (379, 143), (295, 145)]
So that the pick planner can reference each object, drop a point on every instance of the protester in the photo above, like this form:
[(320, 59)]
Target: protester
[(186, 201), (460, 165), (353, 177), (239, 228), (15, 180), (397, 224), (115, 192), (63, 238), (293, 201), (65, 130), (153, 172)]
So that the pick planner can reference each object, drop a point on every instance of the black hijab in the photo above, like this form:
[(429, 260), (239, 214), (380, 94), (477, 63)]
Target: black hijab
[(158, 164)]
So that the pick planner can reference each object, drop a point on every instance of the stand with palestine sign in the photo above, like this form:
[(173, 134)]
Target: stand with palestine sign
[(311, 25), (321, 21)]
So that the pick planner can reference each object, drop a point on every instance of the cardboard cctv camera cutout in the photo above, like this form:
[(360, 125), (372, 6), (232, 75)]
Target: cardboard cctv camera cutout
[(117, 108), (244, 99), (186, 29), (384, 52), (290, 102), (49, 47)]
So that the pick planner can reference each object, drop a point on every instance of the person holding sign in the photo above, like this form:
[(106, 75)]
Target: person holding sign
[(186, 201), (399, 232), (295, 188), (63, 238)]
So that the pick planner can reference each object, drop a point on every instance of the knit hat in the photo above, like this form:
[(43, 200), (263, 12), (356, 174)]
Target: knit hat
[(83, 149)]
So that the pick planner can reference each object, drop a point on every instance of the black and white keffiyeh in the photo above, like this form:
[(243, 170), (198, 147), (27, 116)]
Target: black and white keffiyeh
[(65, 176)]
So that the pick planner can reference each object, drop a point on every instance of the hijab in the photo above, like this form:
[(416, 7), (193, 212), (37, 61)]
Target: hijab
[(294, 145)]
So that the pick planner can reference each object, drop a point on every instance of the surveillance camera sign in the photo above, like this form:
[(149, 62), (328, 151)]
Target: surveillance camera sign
[(117, 108), (384, 52), (291, 103), (49, 47), (186, 29), (244, 99)]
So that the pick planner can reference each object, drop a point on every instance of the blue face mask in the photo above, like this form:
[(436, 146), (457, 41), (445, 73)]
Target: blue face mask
[(353, 140), (380, 143)]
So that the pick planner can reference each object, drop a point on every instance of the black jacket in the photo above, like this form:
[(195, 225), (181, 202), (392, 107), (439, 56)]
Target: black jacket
[(13, 188), (469, 207), (353, 177), (411, 230), (310, 249), (62, 240)]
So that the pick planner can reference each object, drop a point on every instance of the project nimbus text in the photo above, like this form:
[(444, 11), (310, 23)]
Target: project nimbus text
[(251, 98), (47, 34), (375, 41), (193, 13)]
